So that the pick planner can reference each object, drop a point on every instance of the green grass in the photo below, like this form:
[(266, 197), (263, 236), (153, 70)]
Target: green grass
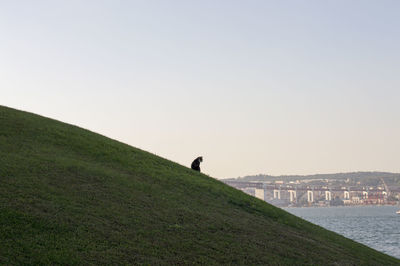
[(70, 196)]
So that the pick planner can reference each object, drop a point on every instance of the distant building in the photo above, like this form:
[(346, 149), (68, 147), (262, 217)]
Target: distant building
[(347, 202), (259, 193), (355, 200)]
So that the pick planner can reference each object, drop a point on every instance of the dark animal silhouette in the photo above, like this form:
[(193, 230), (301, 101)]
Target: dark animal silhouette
[(196, 163)]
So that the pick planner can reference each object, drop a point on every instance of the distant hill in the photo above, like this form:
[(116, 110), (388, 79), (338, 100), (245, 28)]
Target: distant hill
[(370, 178), (70, 196)]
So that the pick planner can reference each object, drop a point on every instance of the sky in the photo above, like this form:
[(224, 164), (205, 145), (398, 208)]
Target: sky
[(255, 87)]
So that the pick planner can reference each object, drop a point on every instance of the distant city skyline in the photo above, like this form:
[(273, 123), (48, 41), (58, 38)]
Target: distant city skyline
[(255, 87)]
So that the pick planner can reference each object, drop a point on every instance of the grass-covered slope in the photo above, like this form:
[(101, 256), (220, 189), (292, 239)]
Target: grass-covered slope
[(71, 196)]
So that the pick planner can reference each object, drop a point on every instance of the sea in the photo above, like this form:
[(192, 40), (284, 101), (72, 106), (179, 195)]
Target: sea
[(375, 226)]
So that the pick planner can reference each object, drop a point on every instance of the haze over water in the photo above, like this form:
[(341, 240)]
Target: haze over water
[(375, 226)]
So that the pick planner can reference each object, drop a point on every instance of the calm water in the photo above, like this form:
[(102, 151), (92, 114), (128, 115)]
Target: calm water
[(375, 226)]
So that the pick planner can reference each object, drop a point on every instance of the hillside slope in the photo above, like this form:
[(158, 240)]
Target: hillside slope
[(70, 196)]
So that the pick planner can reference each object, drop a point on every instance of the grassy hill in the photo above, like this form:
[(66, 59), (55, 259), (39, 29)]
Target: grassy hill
[(70, 196)]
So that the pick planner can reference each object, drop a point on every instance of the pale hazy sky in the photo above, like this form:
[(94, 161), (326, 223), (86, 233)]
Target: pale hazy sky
[(276, 87)]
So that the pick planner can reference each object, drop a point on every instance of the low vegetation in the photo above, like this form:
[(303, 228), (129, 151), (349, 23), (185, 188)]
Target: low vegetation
[(70, 196), (348, 179)]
